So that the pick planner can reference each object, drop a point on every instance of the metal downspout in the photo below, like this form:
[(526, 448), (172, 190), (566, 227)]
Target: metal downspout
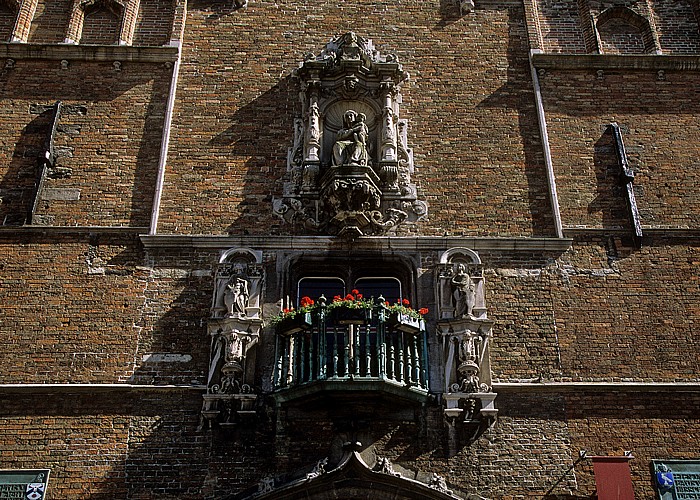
[(166, 138), (545, 147)]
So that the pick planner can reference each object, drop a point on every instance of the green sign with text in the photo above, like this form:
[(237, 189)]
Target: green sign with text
[(23, 484), (677, 479)]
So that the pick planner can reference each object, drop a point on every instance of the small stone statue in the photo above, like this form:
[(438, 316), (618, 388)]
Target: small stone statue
[(464, 292), (350, 147), (236, 297)]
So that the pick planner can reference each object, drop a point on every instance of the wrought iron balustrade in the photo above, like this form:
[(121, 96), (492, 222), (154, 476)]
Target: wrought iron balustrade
[(335, 344)]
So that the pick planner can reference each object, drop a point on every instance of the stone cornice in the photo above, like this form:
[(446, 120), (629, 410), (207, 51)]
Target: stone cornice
[(93, 388), (616, 62), (69, 52), (516, 387), (366, 243)]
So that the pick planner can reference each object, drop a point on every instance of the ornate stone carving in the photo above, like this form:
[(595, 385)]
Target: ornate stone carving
[(234, 330), (349, 167), (465, 331)]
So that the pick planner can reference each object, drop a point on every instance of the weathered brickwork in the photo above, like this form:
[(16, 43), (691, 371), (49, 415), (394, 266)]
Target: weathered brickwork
[(575, 27), (100, 27), (624, 314), (585, 327), (657, 425), (154, 22), (7, 22), (60, 298), (659, 145), (107, 141), (50, 21), (223, 177)]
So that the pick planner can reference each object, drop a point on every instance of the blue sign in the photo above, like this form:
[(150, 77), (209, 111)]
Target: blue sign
[(664, 479)]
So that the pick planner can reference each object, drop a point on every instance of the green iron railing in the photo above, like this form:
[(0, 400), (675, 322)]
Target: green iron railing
[(351, 344)]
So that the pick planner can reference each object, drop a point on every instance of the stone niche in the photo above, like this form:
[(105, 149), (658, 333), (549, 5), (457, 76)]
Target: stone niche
[(234, 330), (349, 168), (465, 331)]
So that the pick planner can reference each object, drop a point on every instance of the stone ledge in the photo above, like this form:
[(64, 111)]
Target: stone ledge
[(92, 388), (659, 232), (97, 53), (618, 62), (364, 243), (512, 387), (61, 230)]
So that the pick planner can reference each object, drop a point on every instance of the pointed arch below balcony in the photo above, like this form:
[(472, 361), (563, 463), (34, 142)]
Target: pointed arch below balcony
[(352, 478)]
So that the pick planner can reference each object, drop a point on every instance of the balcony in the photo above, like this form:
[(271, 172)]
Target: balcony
[(344, 349)]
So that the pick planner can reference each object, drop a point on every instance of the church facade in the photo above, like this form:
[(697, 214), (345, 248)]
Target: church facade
[(412, 250)]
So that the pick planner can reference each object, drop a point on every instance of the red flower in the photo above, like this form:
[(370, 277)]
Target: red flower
[(406, 302), (306, 301), (349, 297), (355, 291), (386, 303), (423, 311), (337, 298), (359, 296), (287, 310)]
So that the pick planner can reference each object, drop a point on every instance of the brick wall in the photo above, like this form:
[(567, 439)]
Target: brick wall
[(229, 140), (658, 138), (101, 26), (677, 23), (7, 22), (108, 138), (154, 22), (50, 21)]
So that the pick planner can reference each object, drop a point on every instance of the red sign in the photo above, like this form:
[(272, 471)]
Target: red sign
[(612, 478)]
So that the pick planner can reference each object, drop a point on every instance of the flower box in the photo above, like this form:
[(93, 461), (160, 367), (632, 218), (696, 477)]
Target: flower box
[(351, 316), (405, 322), (293, 324)]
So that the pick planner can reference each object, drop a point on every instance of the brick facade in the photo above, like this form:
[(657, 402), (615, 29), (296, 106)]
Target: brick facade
[(170, 150)]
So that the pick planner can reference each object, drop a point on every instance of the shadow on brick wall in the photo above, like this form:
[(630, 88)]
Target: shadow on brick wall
[(511, 97)]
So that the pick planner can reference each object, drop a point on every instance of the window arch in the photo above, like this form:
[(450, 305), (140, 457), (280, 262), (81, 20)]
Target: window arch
[(390, 278), (623, 31)]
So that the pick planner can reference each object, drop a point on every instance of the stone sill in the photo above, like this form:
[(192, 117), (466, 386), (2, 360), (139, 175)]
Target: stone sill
[(97, 53), (363, 243), (616, 62)]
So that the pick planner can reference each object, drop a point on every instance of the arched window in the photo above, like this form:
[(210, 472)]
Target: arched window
[(623, 31), (391, 280)]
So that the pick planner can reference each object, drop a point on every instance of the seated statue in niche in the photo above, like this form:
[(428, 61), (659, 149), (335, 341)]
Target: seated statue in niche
[(350, 147), (236, 297)]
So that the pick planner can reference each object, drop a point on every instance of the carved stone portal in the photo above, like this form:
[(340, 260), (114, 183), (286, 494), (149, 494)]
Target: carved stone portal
[(234, 330), (349, 169)]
